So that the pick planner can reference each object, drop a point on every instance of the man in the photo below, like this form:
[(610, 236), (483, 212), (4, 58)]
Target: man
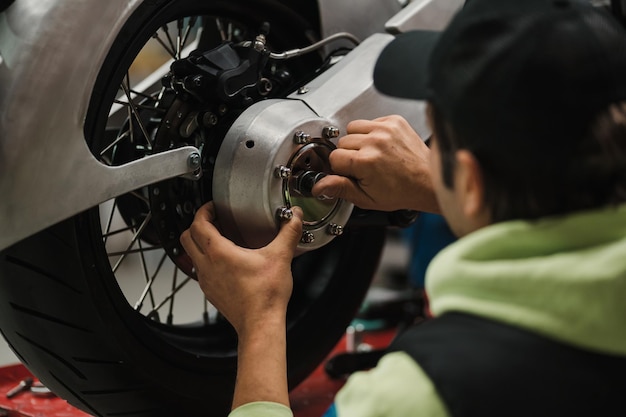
[(527, 100)]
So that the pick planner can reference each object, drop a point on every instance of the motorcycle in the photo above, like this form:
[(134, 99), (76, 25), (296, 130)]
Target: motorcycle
[(118, 119)]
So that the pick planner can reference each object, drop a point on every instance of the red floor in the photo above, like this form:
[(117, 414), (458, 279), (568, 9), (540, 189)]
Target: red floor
[(310, 399)]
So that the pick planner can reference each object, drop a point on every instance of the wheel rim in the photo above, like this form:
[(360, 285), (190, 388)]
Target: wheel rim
[(130, 238)]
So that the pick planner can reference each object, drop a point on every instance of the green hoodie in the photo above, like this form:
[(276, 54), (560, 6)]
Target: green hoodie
[(564, 277)]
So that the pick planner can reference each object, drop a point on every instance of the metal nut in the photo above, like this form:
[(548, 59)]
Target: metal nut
[(330, 132), (283, 172), (194, 161), (284, 213), (335, 229), (307, 237), (301, 138)]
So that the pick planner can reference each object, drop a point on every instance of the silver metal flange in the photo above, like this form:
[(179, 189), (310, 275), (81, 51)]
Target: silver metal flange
[(257, 173)]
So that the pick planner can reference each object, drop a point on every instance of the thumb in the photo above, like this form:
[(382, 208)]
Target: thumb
[(289, 235), (336, 186)]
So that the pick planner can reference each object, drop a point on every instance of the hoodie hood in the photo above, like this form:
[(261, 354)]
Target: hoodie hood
[(562, 277)]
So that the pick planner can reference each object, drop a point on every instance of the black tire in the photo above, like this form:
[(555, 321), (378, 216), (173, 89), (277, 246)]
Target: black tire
[(63, 313)]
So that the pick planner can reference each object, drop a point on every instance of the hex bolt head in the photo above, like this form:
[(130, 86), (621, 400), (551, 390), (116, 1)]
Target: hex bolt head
[(303, 90), (193, 161), (307, 237), (301, 138), (284, 213), (209, 119), (330, 132), (283, 172), (335, 229)]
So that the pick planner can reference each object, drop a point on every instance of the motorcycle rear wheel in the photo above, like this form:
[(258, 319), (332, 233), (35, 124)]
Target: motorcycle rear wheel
[(65, 314)]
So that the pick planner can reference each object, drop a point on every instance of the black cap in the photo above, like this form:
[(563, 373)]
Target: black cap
[(528, 69)]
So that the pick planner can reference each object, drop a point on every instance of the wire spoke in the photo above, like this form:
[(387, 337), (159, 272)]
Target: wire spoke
[(190, 25), (220, 29), (135, 238), (133, 241), (133, 109), (146, 275), (179, 37), (170, 313), (134, 251), (115, 142), (171, 295), (149, 283), (142, 106), (107, 229)]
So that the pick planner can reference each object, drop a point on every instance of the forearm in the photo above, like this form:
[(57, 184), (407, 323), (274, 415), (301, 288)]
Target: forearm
[(262, 364)]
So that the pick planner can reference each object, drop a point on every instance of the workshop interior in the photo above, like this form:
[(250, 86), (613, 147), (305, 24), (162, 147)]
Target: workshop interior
[(118, 119)]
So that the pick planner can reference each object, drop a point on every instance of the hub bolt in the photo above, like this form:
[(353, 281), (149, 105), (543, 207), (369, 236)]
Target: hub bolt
[(284, 213), (335, 229), (307, 237), (283, 172), (330, 132), (301, 138)]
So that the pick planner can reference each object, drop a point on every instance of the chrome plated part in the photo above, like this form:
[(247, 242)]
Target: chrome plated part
[(311, 48), (307, 238), (301, 138), (284, 213), (335, 229), (330, 132), (283, 172)]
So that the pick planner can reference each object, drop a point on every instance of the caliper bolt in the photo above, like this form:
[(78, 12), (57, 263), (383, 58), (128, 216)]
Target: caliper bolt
[(307, 237), (193, 161), (284, 213), (209, 119), (330, 132), (283, 172), (335, 229), (301, 138)]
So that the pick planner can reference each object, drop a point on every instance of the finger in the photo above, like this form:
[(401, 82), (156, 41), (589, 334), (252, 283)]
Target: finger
[(206, 213), (361, 126), (289, 235), (190, 246), (335, 186), (202, 230), (344, 162), (353, 141)]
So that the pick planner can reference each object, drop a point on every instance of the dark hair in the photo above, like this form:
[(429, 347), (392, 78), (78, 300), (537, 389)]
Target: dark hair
[(544, 182)]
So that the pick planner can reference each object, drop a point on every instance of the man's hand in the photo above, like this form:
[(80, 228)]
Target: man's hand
[(251, 288), (247, 286), (381, 164)]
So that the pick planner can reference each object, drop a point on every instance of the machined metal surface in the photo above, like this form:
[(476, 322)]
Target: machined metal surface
[(51, 54), (424, 15), (275, 141), (255, 170)]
